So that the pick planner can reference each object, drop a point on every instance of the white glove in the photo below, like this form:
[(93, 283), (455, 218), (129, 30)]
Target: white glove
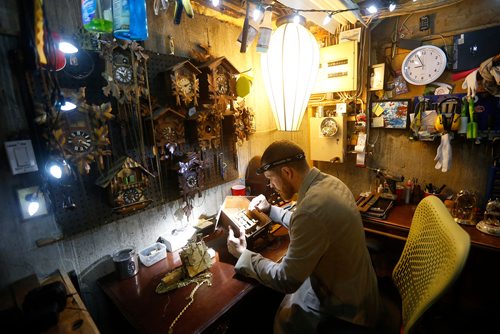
[(443, 155), (260, 203), (470, 83), (236, 246)]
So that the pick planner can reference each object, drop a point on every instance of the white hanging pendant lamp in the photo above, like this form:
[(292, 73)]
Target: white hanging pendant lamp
[(289, 69)]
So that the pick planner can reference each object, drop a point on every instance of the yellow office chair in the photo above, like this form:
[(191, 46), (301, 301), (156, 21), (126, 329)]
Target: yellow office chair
[(433, 257)]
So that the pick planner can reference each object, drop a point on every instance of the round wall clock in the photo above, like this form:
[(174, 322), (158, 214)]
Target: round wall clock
[(79, 141), (424, 65), (123, 74)]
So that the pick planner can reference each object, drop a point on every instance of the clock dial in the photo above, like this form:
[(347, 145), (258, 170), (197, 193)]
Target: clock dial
[(185, 86), (222, 84), (191, 181), (79, 141), (123, 74), (131, 195), (424, 65)]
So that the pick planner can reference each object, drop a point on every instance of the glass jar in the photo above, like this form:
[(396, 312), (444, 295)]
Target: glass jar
[(464, 208)]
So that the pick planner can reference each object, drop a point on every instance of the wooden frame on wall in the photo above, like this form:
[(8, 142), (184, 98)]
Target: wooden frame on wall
[(390, 114)]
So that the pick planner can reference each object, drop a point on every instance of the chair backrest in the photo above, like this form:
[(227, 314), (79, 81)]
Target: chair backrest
[(433, 256)]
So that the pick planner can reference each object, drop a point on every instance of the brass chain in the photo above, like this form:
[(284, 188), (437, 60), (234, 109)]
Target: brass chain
[(191, 300)]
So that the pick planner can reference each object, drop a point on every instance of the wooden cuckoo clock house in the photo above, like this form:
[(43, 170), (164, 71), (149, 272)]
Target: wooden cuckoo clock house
[(217, 83), (126, 182), (182, 84), (169, 129)]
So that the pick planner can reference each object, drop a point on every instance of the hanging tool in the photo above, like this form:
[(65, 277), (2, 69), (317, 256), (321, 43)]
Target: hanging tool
[(394, 38), (416, 123), (472, 126), (180, 6)]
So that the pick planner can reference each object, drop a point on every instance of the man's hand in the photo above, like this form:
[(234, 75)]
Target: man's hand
[(260, 203), (236, 246)]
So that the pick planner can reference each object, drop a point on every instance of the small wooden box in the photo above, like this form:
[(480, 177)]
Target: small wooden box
[(234, 213)]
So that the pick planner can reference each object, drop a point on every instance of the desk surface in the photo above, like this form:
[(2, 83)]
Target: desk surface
[(397, 224), (150, 312)]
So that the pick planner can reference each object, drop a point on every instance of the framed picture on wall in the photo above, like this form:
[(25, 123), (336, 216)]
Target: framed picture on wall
[(390, 114)]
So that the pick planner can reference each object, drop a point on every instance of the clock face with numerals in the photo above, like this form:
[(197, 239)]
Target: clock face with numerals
[(79, 141), (185, 85), (222, 83), (131, 195), (123, 74), (424, 65)]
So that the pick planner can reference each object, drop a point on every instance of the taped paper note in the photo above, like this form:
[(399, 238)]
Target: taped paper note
[(378, 122), (378, 110)]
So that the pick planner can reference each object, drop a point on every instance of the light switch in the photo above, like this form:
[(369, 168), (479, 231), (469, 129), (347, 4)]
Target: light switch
[(21, 156)]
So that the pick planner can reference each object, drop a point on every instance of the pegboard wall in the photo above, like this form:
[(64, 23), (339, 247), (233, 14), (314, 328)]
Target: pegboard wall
[(91, 208)]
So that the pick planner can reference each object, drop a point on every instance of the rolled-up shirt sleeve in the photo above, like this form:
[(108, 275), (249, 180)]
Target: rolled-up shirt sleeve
[(280, 215)]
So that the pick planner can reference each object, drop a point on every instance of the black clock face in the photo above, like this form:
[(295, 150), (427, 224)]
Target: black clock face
[(131, 195), (79, 141), (191, 180), (222, 84), (123, 74)]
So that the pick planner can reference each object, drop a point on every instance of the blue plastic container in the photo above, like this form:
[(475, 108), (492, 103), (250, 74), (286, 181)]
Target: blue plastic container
[(130, 20)]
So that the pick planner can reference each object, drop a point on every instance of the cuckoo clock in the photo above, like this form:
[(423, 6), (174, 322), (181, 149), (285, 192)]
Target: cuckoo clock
[(81, 135), (191, 176), (182, 82), (169, 130), (126, 182), (209, 128), (244, 124), (125, 71), (218, 83)]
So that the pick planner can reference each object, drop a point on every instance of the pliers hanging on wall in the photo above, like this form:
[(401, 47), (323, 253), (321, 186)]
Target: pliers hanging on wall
[(180, 6)]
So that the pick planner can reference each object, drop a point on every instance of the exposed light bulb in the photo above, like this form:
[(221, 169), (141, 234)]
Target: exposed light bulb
[(296, 18), (55, 171), (392, 6), (33, 207), (67, 48), (327, 19), (215, 3), (372, 9), (257, 14), (67, 106)]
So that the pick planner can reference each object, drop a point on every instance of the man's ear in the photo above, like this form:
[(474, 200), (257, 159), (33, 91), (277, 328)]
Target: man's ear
[(287, 172)]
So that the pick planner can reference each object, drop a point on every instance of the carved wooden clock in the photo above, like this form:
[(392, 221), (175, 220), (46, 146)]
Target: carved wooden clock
[(218, 83), (81, 135), (169, 130), (126, 182), (184, 83), (209, 128), (124, 71), (191, 176), (243, 122)]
